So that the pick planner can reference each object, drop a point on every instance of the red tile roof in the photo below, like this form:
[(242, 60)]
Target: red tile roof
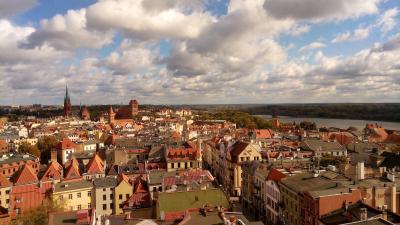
[(70, 162), (65, 144), (189, 152), (53, 172), (95, 165), (275, 175), (263, 133), (25, 176), (122, 177), (72, 172), (141, 196)]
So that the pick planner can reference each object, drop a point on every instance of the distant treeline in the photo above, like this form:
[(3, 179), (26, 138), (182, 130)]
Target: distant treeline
[(364, 111)]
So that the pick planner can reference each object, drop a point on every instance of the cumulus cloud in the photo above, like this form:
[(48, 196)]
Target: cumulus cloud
[(142, 20), (235, 45), (15, 7), (12, 35), (68, 31), (130, 57), (322, 10), (234, 57)]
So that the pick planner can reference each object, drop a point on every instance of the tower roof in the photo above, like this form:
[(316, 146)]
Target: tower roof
[(66, 94)]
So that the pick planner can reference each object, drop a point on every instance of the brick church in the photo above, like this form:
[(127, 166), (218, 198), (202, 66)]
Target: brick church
[(124, 116)]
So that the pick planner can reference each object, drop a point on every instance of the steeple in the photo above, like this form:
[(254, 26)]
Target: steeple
[(66, 93), (67, 103)]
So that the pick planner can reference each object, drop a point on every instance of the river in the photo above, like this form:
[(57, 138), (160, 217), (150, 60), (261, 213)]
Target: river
[(339, 123)]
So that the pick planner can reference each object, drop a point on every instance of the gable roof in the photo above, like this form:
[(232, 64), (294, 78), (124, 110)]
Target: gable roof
[(122, 177), (95, 165), (236, 149), (25, 176), (72, 172), (140, 186), (53, 172), (73, 162)]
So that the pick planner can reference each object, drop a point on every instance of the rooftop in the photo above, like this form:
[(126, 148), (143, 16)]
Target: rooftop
[(10, 158), (105, 182), (72, 185)]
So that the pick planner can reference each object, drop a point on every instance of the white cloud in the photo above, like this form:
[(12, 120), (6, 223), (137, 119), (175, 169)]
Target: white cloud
[(68, 31), (358, 34), (387, 21), (10, 8), (130, 57), (10, 52), (312, 46), (138, 19)]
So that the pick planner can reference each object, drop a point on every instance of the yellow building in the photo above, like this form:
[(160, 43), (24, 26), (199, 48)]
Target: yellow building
[(5, 189), (123, 191), (74, 195), (104, 195), (238, 153)]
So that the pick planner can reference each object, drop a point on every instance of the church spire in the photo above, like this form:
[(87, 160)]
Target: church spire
[(67, 103)]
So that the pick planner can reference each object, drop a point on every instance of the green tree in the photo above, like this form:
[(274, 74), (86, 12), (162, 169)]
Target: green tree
[(25, 147), (40, 214), (308, 125), (45, 145)]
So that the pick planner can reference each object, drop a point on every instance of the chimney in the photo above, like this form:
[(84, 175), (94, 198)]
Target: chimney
[(363, 214), (53, 156), (384, 214)]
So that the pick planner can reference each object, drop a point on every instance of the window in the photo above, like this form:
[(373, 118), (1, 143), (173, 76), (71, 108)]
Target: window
[(111, 196), (172, 165), (120, 206), (104, 197), (89, 194), (120, 197), (78, 195), (70, 196), (79, 207), (60, 197), (104, 189), (111, 206), (127, 196), (89, 205), (104, 206), (18, 211)]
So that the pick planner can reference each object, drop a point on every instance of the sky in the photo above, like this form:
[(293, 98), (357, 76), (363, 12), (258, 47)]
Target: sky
[(199, 51)]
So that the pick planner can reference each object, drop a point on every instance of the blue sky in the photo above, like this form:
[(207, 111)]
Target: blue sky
[(194, 51)]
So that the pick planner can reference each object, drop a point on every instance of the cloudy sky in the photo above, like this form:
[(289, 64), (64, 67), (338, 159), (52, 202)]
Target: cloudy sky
[(199, 51)]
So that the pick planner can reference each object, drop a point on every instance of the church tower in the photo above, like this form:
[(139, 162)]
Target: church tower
[(67, 104), (111, 115), (134, 107)]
